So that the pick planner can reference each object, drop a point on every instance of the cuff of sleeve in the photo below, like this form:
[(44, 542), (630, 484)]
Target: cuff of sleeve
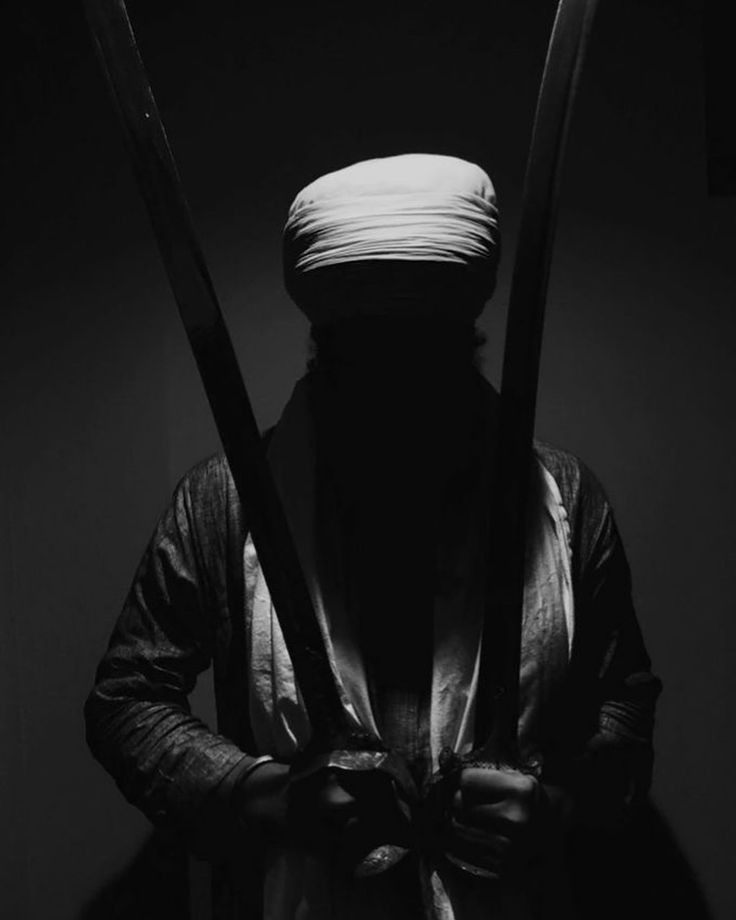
[(218, 831)]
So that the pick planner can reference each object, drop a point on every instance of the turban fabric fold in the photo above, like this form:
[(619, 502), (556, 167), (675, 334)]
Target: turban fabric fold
[(415, 234)]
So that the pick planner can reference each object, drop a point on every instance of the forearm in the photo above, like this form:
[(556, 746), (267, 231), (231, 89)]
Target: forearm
[(139, 726), (602, 785), (611, 771), (169, 764)]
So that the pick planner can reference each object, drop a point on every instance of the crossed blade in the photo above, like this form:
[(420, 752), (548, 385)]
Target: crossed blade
[(160, 186)]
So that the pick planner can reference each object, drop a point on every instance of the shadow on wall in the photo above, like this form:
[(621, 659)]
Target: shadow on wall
[(154, 886), (639, 874)]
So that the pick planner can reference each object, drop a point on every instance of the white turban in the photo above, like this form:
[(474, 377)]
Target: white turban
[(411, 234)]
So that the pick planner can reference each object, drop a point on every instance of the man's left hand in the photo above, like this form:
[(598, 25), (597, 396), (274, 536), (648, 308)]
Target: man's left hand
[(496, 821)]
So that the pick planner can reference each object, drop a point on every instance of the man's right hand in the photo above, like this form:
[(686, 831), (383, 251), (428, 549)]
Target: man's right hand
[(262, 801), (350, 812)]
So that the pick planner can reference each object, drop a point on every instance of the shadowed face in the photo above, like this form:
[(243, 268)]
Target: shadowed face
[(400, 401)]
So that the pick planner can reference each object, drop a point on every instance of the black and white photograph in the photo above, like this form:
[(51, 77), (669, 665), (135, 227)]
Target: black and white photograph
[(368, 499)]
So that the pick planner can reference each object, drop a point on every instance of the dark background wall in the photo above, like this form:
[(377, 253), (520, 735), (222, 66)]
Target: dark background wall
[(102, 411)]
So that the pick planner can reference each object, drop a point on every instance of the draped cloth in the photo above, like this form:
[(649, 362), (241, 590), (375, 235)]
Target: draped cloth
[(302, 885), (393, 216)]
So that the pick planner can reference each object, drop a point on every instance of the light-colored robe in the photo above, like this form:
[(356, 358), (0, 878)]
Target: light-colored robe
[(302, 886)]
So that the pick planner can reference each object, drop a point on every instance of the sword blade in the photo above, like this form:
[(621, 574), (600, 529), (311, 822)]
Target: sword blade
[(160, 186), (498, 687)]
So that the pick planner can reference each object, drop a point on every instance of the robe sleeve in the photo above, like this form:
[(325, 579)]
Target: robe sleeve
[(614, 691), (167, 762)]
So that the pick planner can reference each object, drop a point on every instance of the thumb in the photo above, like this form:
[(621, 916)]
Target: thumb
[(333, 799)]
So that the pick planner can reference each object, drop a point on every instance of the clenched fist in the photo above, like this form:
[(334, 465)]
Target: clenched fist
[(496, 821), (350, 812)]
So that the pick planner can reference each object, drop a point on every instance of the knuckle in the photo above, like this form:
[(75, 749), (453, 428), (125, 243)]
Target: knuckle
[(526, 787)]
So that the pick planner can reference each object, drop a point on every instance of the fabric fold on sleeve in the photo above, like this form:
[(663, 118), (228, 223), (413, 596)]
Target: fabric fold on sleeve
[(166, 761)]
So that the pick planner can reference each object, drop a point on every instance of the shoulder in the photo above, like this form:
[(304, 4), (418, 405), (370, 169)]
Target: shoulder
[(207, 490), (579, 487), (204, 508), (583, 497), (210, 480)]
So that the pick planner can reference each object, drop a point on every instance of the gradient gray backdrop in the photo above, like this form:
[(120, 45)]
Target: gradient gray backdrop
[(102, 412)]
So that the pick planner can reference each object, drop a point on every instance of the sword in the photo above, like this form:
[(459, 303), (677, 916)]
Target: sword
[(338, 743), (497, 698)]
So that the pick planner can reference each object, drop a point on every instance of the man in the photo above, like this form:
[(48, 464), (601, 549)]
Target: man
[(382, 458)]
